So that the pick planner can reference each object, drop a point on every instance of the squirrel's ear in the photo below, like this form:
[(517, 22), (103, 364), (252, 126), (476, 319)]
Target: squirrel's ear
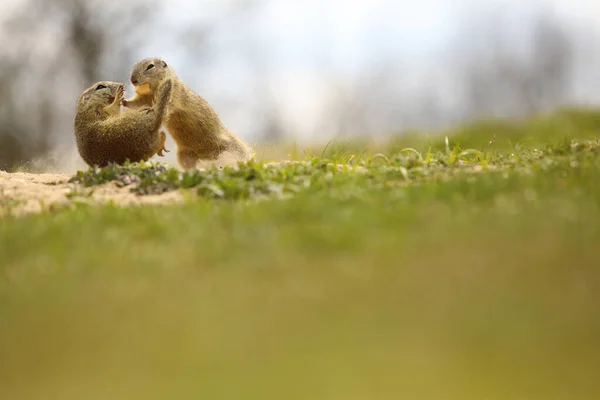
[(164, 64), (83, 99)]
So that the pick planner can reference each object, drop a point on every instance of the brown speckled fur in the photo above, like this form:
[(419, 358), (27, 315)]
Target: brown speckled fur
[(195, 126), (106, 135)]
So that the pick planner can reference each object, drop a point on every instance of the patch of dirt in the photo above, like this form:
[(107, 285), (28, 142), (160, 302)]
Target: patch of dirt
[(24, 193)]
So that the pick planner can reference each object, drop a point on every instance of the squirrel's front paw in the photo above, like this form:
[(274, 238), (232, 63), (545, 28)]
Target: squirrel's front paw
[(120, 94), (160, 152)]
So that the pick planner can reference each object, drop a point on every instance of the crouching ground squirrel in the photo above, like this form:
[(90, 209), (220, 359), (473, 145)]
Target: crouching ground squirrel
[(197, 130), (105, 134)]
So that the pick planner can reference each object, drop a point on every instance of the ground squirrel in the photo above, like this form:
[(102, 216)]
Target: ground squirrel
[(198, 132), (105, 134)]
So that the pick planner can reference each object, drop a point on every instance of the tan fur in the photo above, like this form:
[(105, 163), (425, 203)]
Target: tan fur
[(196, 128), (105, 134)]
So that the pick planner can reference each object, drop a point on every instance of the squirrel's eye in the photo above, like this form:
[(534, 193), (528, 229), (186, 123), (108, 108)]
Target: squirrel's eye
[(101, 86), (150, 67)]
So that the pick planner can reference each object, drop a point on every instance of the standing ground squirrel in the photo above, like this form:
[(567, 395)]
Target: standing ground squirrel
[(195, 126), (105, 134)]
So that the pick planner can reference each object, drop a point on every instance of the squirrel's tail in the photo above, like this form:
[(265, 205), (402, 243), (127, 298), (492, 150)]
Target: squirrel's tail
[(164, 94)]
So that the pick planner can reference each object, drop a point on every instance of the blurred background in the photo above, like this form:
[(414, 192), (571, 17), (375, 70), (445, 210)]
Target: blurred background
[(294, 71)]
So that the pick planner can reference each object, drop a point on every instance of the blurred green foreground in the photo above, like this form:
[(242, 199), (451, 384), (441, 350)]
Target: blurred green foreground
[(457, 276)]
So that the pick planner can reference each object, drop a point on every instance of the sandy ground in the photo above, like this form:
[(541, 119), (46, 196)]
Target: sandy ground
[(23, 193)]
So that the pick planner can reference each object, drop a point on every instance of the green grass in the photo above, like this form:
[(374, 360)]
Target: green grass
[(441, 272)]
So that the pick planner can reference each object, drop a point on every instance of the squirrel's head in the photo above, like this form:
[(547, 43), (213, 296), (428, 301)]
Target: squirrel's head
[(147, 74), (101, 93)]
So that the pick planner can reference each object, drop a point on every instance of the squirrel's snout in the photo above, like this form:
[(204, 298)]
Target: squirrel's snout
[(134, 81)]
